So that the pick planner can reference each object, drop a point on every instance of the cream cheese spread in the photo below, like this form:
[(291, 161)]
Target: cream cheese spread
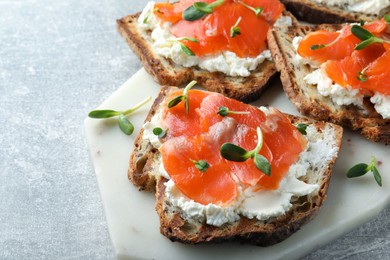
[(361, 6), (338, 94), (227, 62), (382, 104), (261, 205)]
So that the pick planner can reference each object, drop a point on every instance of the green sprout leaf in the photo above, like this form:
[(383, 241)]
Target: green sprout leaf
[(186, 50), (262, 164), (360, 32), (368, 42), (160, 132), (124, 123), (201, 165), (224, 111), (199, 10), (365, 36), (317, 46), (183, 47), (387, 18), (193, 14), (377, 176), (302, 128), (103, 113), (358, 170), (176, 100), (257, 10), (203, 7), (235, 30), (362, 76), (361, 169), (232, 152)]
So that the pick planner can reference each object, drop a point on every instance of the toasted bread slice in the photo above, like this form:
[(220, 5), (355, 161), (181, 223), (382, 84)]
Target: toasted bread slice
[(166, 72), (144, 172), (307, 99), (312, 12)]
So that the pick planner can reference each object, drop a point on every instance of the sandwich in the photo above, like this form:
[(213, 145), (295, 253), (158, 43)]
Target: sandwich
[(323, 11), (220, 44), (224, 170), (338, 73)]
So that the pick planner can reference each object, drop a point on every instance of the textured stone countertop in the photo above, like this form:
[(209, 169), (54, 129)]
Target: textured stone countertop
[(58, 60)]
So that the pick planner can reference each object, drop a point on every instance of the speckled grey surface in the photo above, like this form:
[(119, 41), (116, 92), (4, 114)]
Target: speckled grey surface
[(58, 60)]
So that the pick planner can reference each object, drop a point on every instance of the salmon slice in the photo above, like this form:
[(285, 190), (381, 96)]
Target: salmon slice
[(277, 132), (176, 119), (167, 12), (339, 46), (209, 107), (202, 187), (199, 135), (341, 43), (271, 9), (285, 142), (345, 72), (378, 74), (230, 131), (214, 30)]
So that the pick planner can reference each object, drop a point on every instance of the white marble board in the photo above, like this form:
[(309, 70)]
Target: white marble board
[(133, 222)]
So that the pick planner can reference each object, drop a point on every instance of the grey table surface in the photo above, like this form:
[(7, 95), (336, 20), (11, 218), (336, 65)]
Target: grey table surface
[(58, 60)]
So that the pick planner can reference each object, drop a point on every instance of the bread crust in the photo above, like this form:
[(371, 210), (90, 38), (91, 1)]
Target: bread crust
[(177, 227), (309, 11), (306, 98), (165, 72)]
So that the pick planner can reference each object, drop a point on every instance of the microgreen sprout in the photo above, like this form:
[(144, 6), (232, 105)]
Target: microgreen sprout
[(160, 132), (302, 128), (257, 10), (200, 9), (224, 111), (366, 37), (321, 46), (362, 168), (236, 153), (124, 123), (362, 76), (183, 47), (235, 30), (387, 18), (175, 101), (201, 165)]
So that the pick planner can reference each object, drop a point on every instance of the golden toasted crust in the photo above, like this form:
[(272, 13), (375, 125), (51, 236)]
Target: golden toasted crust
[(165, 72), (143, 171), (306, 98), (310, 11)]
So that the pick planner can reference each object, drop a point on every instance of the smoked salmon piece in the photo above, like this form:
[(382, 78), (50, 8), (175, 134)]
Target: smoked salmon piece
[(199, 135), (214, 30), (345, 72), (202, 187), (176, 119), (338, 45), (365, 69)]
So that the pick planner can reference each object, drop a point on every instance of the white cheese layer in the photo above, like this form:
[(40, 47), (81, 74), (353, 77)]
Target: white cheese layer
[(227, 62), (338, 94), (361, 6), (382, 104), (264, 204)]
